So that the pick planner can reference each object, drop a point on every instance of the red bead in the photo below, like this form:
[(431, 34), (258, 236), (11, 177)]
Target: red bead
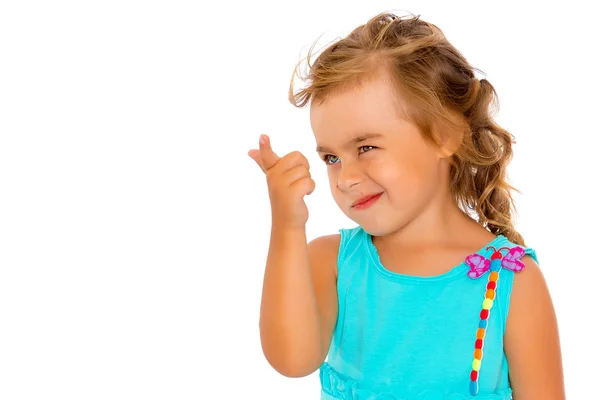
[(497, 254), (484, 314), (491, 285), (479, 344), (474, 375)]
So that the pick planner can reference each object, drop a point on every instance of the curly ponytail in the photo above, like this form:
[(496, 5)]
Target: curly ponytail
[(479, 167)]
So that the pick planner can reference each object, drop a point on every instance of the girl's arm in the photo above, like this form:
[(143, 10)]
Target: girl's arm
[(531, 340), (299, 301)]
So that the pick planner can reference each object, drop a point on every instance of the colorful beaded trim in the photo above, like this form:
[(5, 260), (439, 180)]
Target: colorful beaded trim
[(478, 266)]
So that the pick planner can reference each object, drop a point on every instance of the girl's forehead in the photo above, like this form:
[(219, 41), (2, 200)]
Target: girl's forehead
[(370, 102), (343, 116)]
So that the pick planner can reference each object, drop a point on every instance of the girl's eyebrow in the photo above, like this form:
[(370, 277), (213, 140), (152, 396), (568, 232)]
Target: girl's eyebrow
[(358, 139)]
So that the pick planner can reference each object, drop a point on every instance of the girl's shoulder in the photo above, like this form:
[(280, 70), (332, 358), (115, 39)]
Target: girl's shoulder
[(531, 339), (330, 251)]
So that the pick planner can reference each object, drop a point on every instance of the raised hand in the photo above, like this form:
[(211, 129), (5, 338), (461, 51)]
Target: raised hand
[(288, 180)]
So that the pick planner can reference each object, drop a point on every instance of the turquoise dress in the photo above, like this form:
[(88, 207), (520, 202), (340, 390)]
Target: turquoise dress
[(404, 337)]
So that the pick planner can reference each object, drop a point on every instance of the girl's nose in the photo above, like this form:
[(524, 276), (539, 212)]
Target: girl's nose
[(348, 177)]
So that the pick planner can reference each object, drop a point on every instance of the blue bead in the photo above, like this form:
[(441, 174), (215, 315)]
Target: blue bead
[(496, 265), (473, 388), (483, 323)]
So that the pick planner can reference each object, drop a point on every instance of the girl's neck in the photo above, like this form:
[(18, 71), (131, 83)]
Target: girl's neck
[(440, 222)]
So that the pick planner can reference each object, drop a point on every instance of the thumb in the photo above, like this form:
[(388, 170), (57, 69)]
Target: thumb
[(255, 155), (267, 156)]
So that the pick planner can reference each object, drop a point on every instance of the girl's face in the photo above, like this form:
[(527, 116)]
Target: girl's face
[(368, 150)]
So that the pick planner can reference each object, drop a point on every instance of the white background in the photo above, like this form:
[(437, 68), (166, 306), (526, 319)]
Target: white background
[(134, 227)]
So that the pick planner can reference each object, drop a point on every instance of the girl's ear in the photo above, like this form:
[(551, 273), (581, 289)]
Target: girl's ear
[(449, 136)]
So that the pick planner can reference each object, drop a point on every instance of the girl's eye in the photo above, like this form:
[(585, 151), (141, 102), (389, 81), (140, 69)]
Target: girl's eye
[(328, 157), (331, 159)]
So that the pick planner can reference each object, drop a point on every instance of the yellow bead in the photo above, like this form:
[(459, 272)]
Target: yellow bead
[(487, 304), (476, 365)]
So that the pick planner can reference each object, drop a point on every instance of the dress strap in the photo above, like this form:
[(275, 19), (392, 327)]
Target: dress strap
[(480, 265)]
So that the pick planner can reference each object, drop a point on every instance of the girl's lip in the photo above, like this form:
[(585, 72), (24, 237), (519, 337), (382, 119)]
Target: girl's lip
[(366, 199)]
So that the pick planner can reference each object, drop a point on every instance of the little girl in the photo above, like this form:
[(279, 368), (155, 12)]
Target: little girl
[(433, 295)]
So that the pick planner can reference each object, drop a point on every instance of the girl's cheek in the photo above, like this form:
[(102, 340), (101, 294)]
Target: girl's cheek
[(386, 168)]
